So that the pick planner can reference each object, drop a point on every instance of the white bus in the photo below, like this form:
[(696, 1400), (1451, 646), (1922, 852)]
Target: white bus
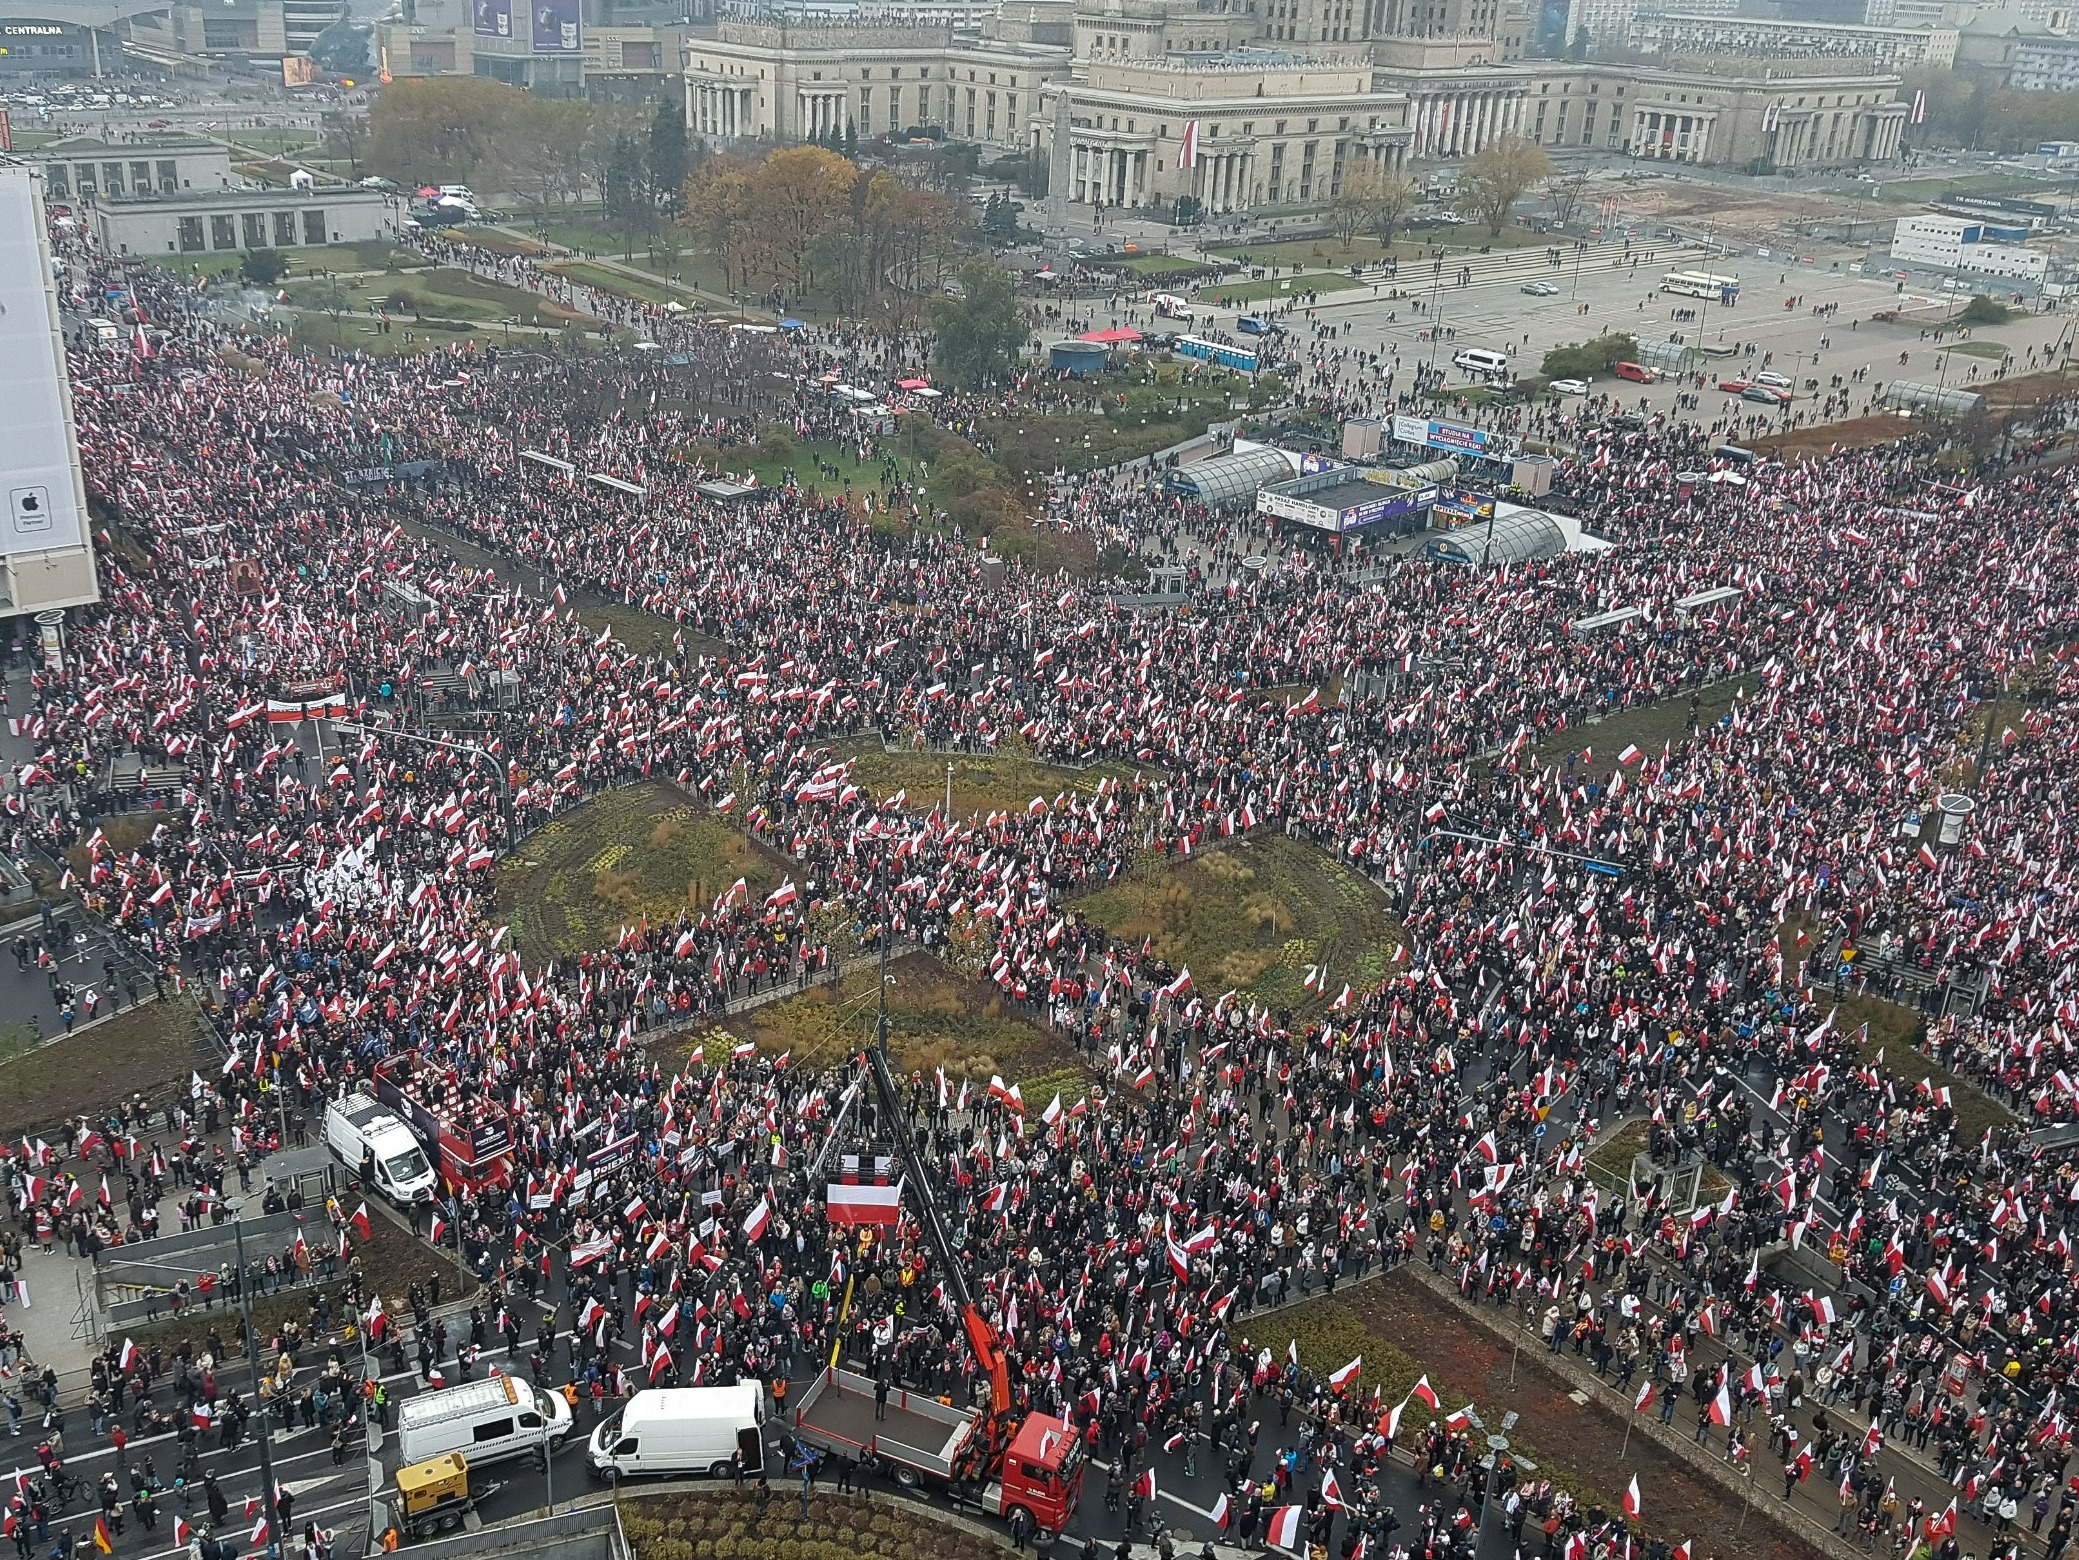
[(1701, 284)]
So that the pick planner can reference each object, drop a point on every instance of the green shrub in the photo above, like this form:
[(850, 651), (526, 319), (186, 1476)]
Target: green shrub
[(1982, 310), (777, 444), (1583, 359)]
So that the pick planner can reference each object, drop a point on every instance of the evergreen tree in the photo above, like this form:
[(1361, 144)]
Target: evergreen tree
[(625, 191), (667, 159)]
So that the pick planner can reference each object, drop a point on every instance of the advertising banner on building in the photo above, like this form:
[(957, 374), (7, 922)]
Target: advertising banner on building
[(555, 26), (1349, 517), (1455, 437), (1461, 506), (40, 490), (494, 18)]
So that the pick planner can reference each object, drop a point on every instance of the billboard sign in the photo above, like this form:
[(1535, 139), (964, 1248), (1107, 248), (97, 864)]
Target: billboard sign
[(41, 493), (298, 70), (1455, 437), (555, 26), (1463, 505), (493, 18), (1305, 511)]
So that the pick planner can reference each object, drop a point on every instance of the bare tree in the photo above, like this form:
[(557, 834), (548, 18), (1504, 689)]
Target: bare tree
[(1390, 197), (1497, 176), (346, 135), (1566, 195)]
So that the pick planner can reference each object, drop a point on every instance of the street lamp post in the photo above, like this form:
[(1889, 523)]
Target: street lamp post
[(268, 1503), (548, 1467), (1497, 1449), (475, 750)]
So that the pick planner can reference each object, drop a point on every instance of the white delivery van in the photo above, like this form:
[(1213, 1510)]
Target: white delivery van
[(1479, 360), (486, 1421), (1171, 306), (380, 1148), (680, 1430)]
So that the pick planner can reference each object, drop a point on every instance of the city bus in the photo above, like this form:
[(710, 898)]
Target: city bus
[(1701, 284)]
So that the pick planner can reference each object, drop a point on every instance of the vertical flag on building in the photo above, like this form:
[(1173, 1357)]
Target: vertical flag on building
[(1920, 108), (1189, 158), (1771, 117)]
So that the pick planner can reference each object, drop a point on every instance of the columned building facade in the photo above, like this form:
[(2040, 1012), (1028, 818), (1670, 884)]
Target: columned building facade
[(785, 81), (1235, 131), (1456, 118), (1252, 105)]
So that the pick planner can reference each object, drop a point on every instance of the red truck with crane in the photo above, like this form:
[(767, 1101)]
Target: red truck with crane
[(1032, 1465)]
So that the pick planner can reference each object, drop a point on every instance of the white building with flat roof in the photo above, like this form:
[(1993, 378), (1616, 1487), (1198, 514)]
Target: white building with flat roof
[(1963, 244), (1248, 105), (1690, 33), (198, 223)]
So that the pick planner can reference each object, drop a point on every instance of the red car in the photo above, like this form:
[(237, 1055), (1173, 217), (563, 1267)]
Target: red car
[(1732, 386)]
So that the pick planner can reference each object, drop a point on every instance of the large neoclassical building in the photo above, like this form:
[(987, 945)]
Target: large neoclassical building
[(1254, 105)]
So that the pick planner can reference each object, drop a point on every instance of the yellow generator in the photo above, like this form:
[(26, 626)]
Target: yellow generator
[(434, 1496)]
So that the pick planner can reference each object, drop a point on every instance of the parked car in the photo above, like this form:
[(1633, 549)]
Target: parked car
[(1734, 386), (1541, 289), (1637, 373), (1769, 376), (1568, 387), (1768, 395)]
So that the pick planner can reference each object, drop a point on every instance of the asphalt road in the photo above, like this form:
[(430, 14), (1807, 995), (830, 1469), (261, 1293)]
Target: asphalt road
[(1608, 291)]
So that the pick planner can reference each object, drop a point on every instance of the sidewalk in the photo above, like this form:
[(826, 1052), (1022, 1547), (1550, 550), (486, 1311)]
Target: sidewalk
[(1808, 1514), (46, 1321)]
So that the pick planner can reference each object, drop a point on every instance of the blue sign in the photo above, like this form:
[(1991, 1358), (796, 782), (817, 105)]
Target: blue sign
[(1456, 437), (1464, 504), (1405, 502), (555, 26)]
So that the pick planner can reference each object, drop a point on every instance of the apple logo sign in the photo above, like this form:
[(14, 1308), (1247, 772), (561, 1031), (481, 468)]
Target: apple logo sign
[(30, 508)]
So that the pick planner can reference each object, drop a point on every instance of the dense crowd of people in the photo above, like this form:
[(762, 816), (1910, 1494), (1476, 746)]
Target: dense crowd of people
[(1596, 933)]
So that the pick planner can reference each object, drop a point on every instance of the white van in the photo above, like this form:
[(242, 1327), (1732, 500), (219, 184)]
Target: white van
[(486, 1421), (681, 1430), (1171, 306), (1479, 360), (380, 1148)]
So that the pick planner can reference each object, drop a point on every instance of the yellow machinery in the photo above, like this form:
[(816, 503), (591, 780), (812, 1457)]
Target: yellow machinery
[(433, 1496)]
